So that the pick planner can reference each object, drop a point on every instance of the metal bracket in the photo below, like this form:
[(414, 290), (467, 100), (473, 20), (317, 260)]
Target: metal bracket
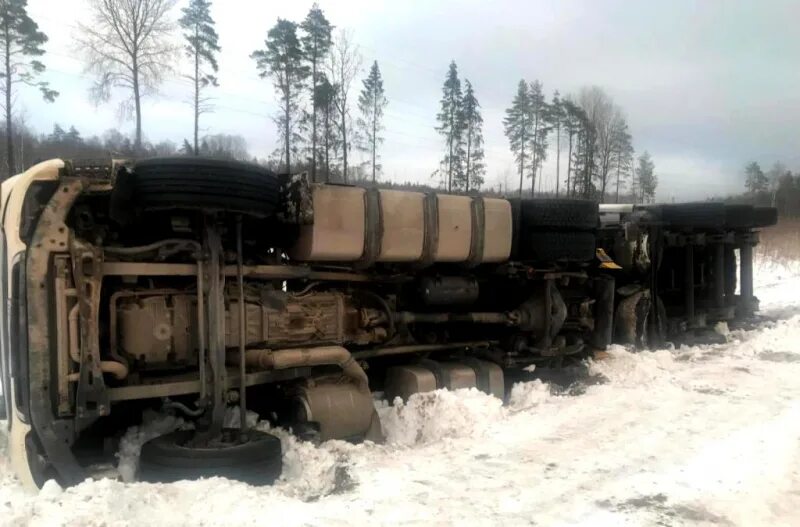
[(91, 399)]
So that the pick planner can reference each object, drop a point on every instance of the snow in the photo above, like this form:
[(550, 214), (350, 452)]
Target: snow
[(703, 435)]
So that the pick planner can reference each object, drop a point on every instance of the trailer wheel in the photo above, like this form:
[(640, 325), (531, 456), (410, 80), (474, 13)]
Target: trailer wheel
[(556, 246), (697, 215), (739, 216), (562, 214), (765, 216), (170, 457), (202, 184)]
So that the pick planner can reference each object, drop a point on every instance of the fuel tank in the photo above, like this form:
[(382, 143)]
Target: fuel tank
[(353, 224)]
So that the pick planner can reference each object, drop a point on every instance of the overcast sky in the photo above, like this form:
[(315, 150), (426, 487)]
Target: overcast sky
[(706, 85)]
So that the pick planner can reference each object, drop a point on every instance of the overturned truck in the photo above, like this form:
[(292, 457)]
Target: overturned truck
[(198, 286)]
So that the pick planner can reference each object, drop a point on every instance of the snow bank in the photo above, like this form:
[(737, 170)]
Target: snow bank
[(701, 435), (429, 417)]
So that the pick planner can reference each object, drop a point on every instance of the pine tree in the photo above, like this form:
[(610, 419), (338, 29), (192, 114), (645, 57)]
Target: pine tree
[(518, 124), (372, 103), (571, 125), (282, 60), (57, 135), (755, 180), (323, 101), (73, 136), (451, 125), (473, 137), (556, 118), (622, 155), (538, 146), (20, 43), (316, 41), (188, 150), (648, 181), (202, 47)]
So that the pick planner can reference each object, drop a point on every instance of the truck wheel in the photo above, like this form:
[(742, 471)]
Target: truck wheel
[(204, 184), (765, 216), (557, 246), (169, 458), (562, 214)]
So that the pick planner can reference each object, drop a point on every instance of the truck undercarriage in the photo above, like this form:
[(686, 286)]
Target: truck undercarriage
[(196, 286)]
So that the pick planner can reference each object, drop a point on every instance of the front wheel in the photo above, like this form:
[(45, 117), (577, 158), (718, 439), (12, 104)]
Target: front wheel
[(254, 459)]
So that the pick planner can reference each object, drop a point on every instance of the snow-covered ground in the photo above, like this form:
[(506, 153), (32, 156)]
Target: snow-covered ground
[(706, 435)]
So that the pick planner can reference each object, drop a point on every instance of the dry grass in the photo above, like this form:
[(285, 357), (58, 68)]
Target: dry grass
[(782, 241)]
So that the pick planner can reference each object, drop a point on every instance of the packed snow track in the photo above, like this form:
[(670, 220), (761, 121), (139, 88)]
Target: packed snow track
[(706, 435)]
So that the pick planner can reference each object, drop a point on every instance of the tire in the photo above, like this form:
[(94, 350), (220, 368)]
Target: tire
[(558, 246), (561, 214), (739, 216), (166, 459), (696, 215), (204, 184), (765, 216)]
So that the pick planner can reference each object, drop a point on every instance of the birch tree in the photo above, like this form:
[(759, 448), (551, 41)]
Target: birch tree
[(127, 46), (344, 65)]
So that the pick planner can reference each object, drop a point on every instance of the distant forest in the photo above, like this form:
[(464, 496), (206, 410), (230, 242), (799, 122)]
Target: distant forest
[(329, 107)]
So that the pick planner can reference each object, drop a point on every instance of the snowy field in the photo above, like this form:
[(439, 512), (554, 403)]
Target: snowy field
[(705, 435)]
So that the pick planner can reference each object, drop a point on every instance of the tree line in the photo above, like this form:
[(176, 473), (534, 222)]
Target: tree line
[(600, 160), (129, 49), (777, 187)]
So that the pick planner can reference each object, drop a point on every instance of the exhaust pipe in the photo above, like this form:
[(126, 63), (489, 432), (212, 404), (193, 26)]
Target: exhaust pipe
[(262, 359)]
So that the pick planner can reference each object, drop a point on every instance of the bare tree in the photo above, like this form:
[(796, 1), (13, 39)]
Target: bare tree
[(611, 138), (344, 64), (128, 45)]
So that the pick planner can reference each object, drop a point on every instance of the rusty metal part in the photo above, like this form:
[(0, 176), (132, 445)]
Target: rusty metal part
[(118, 369), (603, 321), (62, 280), (405, 317), (420, 348), (264, 359), (341, 410), (747, 302), (201, 331), (448, 290), (264, 272), (630, 318), (216, 328), (428, 375), (50, 235), (242, 326), (478, 235), (187, 384), (91, 398), (177, 244), (151, 325)]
